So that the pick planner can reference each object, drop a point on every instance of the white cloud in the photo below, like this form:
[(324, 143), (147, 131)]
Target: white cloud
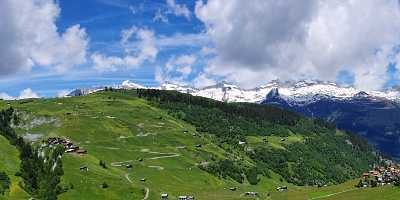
[(177, 69), (265, 39), (203, 80), (5, 96), (136, 53), (28, 94), (185, 70), (179, 40), (178, 9), (159, 16), (24, 94), (29, 37)]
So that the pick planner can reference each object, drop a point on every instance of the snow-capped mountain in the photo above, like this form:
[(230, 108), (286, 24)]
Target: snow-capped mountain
[(294, 93), (302, 92), (130, 85), (83, 91)]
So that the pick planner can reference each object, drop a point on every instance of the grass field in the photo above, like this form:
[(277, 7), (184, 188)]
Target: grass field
[(9, 163), (121, 129)]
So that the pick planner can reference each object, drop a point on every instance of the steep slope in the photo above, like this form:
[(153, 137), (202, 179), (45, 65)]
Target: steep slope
[(376, 119), (304, 151), (120, 129)]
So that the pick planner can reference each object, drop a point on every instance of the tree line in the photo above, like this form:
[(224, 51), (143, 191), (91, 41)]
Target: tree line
[(40, 167)]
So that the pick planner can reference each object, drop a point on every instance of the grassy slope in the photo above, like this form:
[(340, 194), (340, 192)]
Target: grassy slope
[(9, 163), (345, 191), (127, 129)]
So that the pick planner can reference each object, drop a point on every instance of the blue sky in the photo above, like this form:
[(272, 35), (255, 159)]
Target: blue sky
[(54, 46), (103, 21)]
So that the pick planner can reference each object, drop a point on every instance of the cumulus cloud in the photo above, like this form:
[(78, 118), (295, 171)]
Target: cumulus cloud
[(178, 9), (5, 96), (265, 39), (27, 93), (29, 37), (177, 69), (142, 49)]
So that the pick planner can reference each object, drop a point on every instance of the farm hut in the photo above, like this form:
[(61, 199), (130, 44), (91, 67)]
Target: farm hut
[(251, 193), (281, 188), (84, 169), (164, 196)]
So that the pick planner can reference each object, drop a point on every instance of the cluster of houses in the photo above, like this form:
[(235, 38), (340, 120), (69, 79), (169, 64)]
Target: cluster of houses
[(380, 176), (68, 145)]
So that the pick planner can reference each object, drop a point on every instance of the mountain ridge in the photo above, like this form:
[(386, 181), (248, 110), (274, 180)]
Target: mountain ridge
[(293, 92)]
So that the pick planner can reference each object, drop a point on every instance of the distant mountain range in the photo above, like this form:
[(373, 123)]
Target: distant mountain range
[(294, 93), (372, 114)]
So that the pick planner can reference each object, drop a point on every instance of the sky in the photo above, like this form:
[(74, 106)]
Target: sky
[(49, 47)]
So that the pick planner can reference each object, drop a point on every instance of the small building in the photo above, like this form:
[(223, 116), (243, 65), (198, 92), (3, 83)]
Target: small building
[(251, 193), (232, 189), (242, 142), (84, 169), (164, 196), (185, 197), (281, 188), (198, 145), (143, 180)]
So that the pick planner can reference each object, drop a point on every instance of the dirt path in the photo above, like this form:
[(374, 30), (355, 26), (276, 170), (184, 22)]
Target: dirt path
[(156, 167), (146, 196), (127, 178), (160, 157), (120, 164), (333, 194)]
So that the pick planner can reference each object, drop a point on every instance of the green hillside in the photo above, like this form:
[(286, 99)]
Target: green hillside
[(185, 148)]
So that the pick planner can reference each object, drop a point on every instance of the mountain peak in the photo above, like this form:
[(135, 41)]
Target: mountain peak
[(130, 85), (273, 93), (361, 95)]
